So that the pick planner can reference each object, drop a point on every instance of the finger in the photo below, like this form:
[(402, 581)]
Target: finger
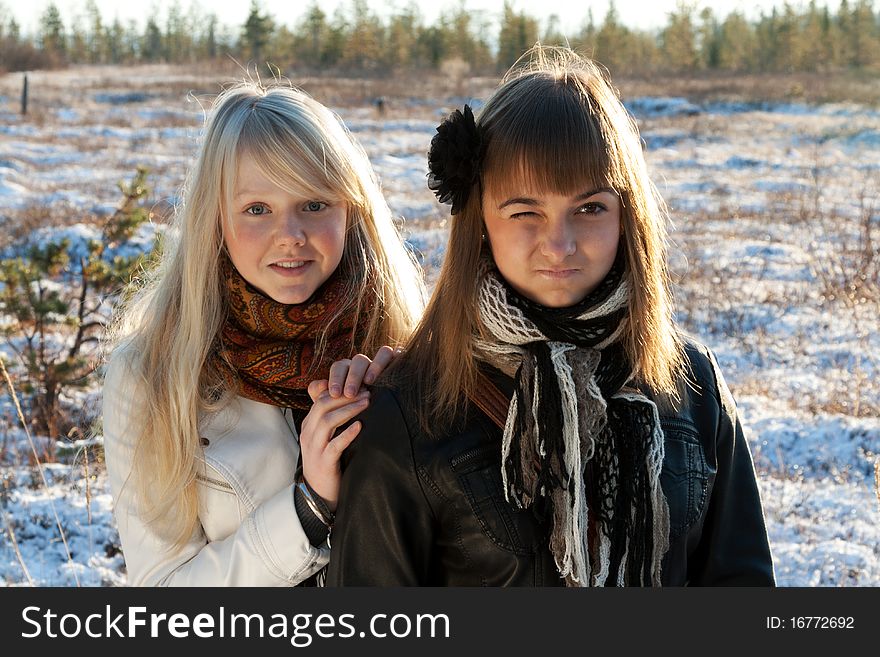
[(338, 372), (380, 361), (356, 371), (320, 423), (325, 403), (336, 418), (316, 387), (338, 445)]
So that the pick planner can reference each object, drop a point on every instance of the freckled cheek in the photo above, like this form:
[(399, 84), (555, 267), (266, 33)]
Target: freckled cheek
[(246, 234), (329, 238)]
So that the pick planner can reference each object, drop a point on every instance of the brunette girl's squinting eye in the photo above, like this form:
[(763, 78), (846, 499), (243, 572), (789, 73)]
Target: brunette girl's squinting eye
[(257, 209), (314, 206), (522, 215)]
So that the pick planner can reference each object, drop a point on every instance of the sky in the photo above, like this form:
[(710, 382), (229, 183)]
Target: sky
[(634, 13)]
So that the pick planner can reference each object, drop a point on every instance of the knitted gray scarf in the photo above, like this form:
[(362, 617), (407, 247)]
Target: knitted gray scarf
[(578, 446)]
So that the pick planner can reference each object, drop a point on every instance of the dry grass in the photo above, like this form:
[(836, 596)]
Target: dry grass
[(742, 87)]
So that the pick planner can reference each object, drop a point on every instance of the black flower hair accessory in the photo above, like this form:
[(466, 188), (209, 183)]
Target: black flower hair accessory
[(454, 158)]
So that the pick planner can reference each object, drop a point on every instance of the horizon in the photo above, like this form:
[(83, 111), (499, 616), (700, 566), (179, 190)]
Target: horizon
[(633, 13)]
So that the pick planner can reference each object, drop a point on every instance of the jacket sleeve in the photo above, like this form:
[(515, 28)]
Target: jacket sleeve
[(384, 529), (734, 549), (269, 548)]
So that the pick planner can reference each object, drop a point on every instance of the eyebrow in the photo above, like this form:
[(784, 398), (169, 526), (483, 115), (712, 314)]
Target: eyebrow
[(525, 200), (248, 192)]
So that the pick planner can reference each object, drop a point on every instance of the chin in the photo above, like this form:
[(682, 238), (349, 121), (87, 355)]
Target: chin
[(292, 298), (558, 299)]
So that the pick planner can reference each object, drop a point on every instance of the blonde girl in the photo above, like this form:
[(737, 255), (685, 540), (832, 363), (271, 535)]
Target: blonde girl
[(282, 260), (548, 424)]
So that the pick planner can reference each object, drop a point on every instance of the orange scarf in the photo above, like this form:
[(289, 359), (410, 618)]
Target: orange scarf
[(271, 346)]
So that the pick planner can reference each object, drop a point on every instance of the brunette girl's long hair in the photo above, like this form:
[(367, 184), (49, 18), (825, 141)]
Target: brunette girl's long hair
[(555, 124)]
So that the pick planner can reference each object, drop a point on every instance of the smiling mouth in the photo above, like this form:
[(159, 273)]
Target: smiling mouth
[(291, 268)]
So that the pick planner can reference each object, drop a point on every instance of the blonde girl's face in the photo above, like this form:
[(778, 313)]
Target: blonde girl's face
[(553, 249), (284, 245)]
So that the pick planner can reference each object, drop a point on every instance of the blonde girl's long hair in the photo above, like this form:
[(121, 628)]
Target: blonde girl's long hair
[(554, 123), (167, 331)]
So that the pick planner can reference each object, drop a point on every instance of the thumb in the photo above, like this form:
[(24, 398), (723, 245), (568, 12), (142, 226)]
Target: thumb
[(316, 388)]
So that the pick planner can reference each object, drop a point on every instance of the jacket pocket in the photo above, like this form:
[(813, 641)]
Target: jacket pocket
[(685, 475), (479, 473), (220, 512)]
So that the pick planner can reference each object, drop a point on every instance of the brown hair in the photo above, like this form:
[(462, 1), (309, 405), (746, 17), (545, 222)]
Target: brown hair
[(553, 123)]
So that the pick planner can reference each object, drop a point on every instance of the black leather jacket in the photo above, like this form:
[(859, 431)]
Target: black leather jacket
[(420, 511)]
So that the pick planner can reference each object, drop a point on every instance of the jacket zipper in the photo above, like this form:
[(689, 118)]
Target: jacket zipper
[(472, 454), (215, 482)]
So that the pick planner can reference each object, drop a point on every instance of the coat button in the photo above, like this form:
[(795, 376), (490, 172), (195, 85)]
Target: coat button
[(204, 441)]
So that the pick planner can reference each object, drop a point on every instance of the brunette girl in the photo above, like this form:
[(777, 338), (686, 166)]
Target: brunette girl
[(282, 260), (548, 424)]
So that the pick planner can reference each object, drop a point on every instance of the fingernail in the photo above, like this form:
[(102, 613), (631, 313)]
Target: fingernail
[(335, 390), (350, 391)]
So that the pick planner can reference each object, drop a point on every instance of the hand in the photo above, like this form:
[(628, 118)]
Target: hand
[(320, 449), (349, 374)]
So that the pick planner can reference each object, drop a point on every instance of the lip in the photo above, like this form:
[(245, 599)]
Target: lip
[(291, 272), (556, 274)]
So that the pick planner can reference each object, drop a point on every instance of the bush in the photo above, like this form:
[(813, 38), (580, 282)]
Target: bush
[(56, 298)]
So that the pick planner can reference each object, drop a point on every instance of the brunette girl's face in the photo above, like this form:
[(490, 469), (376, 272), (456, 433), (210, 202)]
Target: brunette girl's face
[(553, 248), (285, 245)]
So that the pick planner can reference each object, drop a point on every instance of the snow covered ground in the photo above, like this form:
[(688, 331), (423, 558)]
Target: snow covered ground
[(767, 201)]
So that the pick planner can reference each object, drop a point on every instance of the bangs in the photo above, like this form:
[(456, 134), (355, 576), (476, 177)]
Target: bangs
[(298, 158), (550, 141)]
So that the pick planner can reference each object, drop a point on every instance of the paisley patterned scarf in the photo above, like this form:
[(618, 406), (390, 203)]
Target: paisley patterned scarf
[(272, 347)]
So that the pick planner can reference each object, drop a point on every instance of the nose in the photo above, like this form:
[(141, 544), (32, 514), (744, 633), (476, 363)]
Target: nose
[(558, 241), (290, 230)]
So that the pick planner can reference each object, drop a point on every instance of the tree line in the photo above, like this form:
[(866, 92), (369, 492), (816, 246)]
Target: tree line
[(815, 37)]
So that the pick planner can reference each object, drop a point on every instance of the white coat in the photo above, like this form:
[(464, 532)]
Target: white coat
[(248, 532)]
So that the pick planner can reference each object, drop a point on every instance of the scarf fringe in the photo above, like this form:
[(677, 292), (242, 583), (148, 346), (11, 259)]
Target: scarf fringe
[(558, 422)]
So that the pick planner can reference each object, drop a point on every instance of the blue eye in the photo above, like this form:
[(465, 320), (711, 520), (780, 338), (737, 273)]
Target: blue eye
[(315, 206), (257, 209)]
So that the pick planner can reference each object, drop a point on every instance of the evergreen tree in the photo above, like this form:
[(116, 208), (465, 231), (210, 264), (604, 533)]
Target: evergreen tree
[(709, 40), (337, 36), (365, 38), (153, 49), (679, 39), (553, 35), (612, 46), (463, 38), (404, 31), (95, 33), (314, 34), (585, 40), (115, 42), (51, 32), (865, 35), (518, 33), (178, 35), (78, 45), (256, 33), (55, 294), (738, 44)]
